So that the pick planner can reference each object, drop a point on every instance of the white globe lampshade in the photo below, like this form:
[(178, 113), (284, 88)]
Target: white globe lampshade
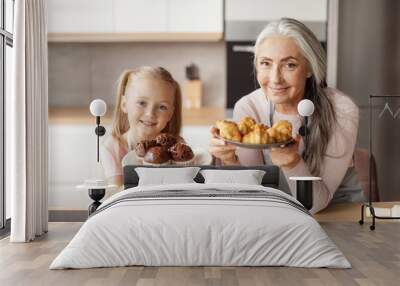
[(305, 107), (98, 107)]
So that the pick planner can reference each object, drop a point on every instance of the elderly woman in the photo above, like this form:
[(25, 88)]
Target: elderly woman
[(291, 66)]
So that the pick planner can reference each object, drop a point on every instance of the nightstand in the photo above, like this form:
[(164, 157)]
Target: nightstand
[(96, 190), (304, 190)]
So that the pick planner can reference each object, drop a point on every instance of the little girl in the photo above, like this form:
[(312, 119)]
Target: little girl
[(149, 102)]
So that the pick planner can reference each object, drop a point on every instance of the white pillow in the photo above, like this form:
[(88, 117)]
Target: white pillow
[(163, 176), (248, 177)]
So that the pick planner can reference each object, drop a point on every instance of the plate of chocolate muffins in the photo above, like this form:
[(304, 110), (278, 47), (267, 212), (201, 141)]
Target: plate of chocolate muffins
[(165, 149)]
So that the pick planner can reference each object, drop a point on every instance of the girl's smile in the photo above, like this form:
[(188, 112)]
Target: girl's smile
[(148, 123)]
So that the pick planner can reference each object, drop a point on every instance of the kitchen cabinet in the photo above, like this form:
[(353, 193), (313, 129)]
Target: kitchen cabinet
[(140, 16), (196, 16), (73, 16), (168, 16), (72, 159), (245, 22), (264, 10), (134, 20)]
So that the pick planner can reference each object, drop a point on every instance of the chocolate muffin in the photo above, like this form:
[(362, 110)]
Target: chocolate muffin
[(157, 155), (181, 152), (166, 140), (142, 147)]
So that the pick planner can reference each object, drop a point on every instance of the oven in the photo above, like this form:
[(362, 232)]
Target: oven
[(241, 77)]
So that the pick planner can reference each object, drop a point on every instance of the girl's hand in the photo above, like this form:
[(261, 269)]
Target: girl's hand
[(286, 157), (221, 150)]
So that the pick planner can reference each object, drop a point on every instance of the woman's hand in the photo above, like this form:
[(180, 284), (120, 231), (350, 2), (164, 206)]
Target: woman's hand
[(221, 150), (286, 157)]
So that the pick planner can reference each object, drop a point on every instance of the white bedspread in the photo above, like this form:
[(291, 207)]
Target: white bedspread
[(200, 231)]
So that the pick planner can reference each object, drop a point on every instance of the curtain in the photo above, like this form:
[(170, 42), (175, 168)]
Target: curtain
[(332, 42), (28, 117)]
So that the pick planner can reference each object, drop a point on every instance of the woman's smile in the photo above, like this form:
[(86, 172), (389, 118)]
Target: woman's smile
[(278, 89)]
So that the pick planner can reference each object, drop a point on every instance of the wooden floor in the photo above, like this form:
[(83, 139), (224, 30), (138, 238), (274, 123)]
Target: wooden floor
[(374, 255)]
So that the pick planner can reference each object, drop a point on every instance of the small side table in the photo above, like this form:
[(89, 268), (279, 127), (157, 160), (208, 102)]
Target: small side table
[(304, 190), (96, 193)]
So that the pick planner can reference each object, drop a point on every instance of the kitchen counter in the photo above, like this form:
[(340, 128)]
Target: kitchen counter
[(81, 115), (72, 148)]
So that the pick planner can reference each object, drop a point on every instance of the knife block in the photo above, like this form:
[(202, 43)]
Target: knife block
[(194, 94)]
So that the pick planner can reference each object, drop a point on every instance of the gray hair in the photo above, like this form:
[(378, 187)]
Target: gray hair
[(324, 117)]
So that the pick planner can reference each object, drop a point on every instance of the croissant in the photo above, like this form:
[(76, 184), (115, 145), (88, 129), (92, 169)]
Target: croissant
[(284, 130), (246, 124), (229, 130), (281, 125), (272, 135), (258, 135)]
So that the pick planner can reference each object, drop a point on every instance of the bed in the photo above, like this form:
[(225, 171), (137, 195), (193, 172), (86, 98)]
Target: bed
[(201, 224)]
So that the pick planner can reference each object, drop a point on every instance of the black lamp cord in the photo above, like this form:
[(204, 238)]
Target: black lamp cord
[(98, 137), (303, 131), (100, 131)]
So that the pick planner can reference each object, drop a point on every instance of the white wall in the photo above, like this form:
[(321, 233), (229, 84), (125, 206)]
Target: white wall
[(369, 64)]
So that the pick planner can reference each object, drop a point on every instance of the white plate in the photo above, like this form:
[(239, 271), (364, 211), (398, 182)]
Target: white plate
[(131, 159), (256, 146), (201, 157)]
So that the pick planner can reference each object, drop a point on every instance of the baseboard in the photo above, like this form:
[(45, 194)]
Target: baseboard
[(5, 231), (68, 215), (54, 216)]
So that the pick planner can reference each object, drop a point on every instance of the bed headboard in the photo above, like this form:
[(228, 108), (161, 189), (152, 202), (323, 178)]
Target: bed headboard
[(270, 179)]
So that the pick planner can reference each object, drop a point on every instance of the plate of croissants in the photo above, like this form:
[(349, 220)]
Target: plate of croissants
[(247, 133)]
